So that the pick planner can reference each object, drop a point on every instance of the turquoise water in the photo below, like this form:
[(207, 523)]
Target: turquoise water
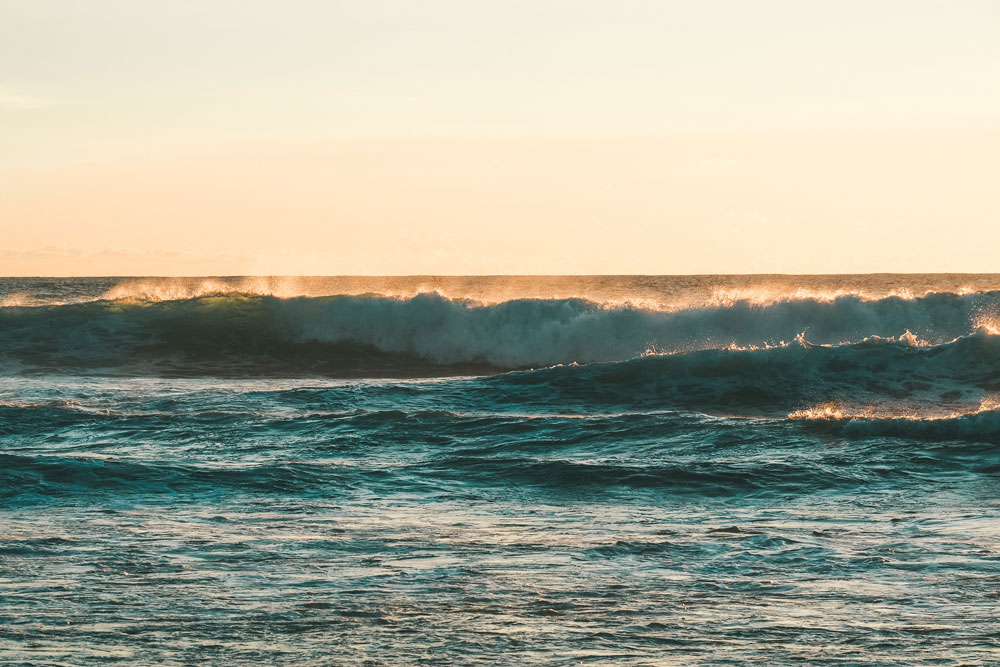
[(673, 470)]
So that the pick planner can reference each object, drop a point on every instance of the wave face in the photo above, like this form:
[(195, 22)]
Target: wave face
[(239, 333)]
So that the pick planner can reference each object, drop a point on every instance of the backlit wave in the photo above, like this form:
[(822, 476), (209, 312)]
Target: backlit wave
[(431, 330)]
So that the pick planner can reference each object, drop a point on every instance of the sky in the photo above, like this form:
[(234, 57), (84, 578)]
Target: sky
[(207, 137)]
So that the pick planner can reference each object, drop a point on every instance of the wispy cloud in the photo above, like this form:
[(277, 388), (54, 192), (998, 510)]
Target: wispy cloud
[(744, 218), (723, 162), (12, 100)]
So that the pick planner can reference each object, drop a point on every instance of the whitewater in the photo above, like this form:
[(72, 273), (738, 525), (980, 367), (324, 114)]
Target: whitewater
[(539, 469)]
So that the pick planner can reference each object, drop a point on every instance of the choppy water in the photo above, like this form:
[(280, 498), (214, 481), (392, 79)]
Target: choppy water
[(563, 470)]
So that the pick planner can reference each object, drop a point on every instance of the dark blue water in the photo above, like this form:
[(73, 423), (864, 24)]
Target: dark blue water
[(735, 470)]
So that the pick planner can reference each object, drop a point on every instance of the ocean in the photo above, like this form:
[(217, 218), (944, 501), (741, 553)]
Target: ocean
[(634, 470)]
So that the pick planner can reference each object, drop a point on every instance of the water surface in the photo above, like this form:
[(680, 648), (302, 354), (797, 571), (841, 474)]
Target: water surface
[(542, 470)]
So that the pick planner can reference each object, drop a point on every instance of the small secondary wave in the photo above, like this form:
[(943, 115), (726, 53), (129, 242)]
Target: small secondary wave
[(980, 423), (780, 380)]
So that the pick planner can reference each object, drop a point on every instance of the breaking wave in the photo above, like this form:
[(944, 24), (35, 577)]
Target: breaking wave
[(330, 334)]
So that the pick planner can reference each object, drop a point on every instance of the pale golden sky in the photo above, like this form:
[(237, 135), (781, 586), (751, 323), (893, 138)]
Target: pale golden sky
[(368, 137)]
